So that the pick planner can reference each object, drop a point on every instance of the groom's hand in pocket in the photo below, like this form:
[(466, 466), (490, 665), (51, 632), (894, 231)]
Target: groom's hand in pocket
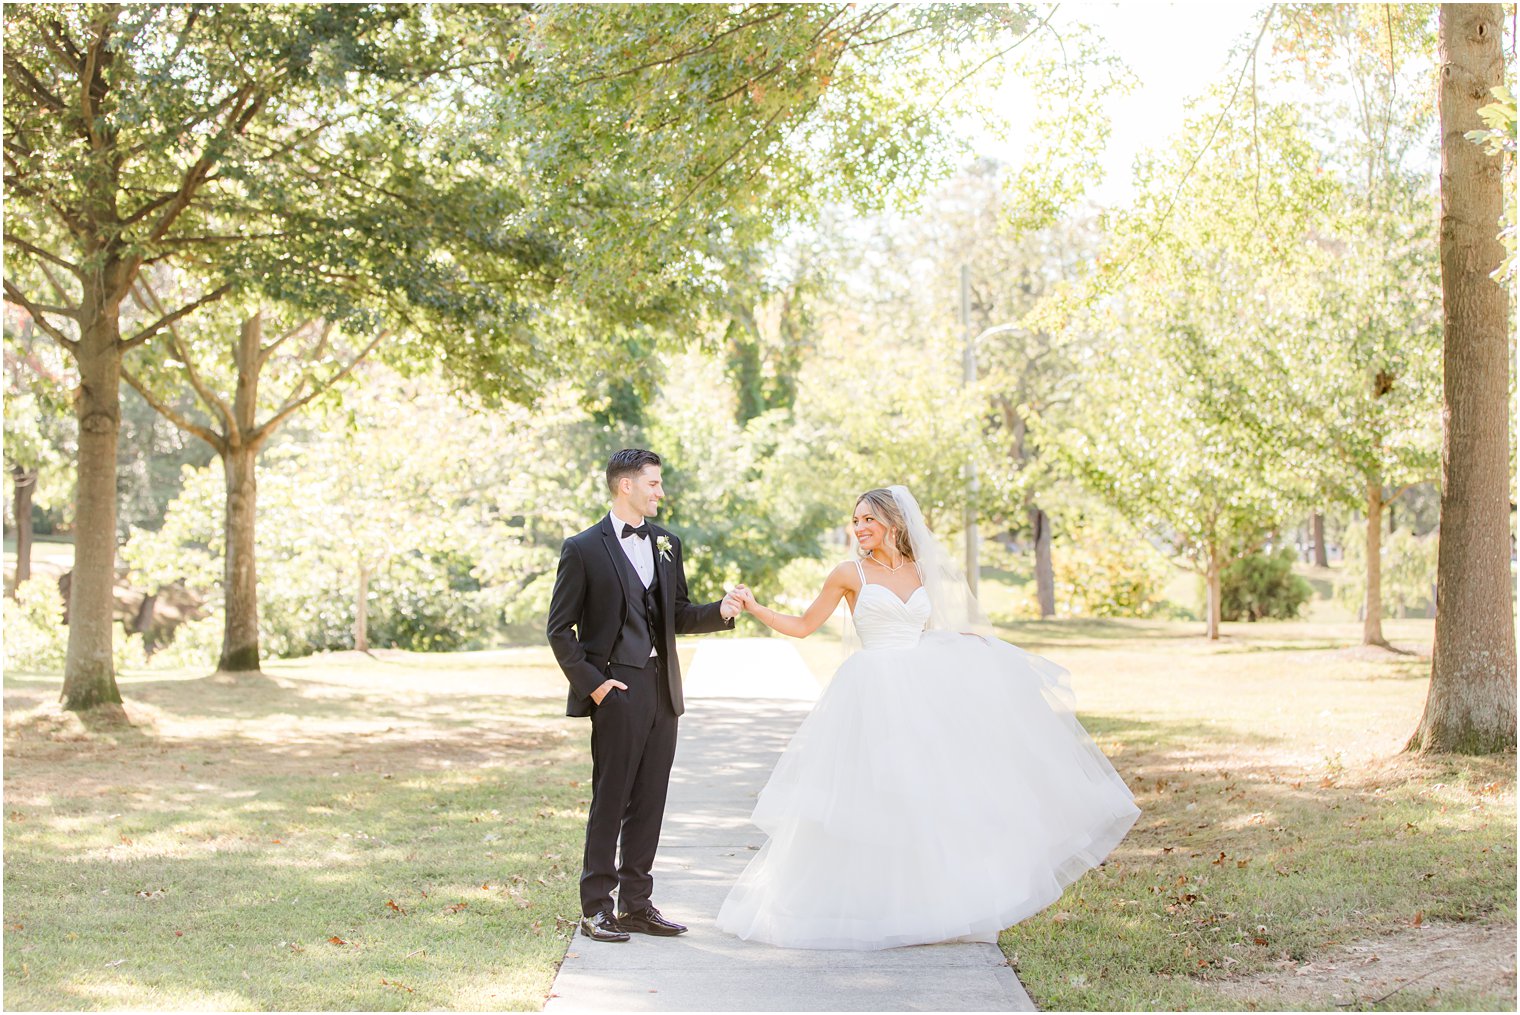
[(606, 689)]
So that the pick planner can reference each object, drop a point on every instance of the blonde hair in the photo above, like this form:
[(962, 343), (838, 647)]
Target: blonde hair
[(884, 505)]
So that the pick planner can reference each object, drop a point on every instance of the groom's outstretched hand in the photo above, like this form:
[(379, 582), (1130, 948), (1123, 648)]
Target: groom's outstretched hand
[(731, 606)]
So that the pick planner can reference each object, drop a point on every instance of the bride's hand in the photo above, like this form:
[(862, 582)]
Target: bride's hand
[(746, 598)]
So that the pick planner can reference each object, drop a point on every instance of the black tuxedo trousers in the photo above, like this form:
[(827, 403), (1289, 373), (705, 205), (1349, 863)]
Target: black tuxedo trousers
[(633, 742)]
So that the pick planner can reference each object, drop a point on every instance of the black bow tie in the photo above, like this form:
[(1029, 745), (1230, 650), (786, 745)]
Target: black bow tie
[(642, 531)]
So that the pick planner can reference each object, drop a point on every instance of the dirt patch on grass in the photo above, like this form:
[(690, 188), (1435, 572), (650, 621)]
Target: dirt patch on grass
[(1402, 969)]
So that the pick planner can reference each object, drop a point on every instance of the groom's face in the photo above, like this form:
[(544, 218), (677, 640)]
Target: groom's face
[(646, 492)]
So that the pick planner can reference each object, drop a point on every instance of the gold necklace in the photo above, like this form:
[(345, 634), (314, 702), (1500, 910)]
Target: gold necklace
[(890, 569)]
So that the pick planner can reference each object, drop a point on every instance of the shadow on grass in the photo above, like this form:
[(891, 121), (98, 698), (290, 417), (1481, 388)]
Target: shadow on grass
[(315, 892), (278, 844), (1240, 865)]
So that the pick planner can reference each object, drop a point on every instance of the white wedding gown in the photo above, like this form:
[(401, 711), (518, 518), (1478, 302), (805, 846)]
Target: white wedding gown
[(940, 789)]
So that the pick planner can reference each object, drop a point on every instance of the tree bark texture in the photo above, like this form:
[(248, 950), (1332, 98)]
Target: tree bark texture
[(361, 611), (1214, 605), (1372, 615), (25, 481), (240, 581), (89, 678), (1044, 569), (1471, 705)]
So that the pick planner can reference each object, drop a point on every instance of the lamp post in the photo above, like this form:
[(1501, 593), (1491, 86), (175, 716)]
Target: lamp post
[(968, 378)]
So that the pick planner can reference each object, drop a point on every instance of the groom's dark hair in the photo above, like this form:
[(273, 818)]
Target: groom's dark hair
[(628, 462)]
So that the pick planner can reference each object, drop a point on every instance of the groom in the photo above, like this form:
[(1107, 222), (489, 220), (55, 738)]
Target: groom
[(619, 601)]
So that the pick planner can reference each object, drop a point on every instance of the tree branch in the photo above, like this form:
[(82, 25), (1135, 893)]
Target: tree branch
[(17, 297), (168, 319), (38, 252), (247, 105), (211, 399), (21, 76), (87, 85), (269, 349), (58, 289), (285, 411), (218, 444), (675, 57), (1223, 113)]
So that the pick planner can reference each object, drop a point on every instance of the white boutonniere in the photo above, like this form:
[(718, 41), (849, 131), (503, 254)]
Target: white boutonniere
[(662, 544)]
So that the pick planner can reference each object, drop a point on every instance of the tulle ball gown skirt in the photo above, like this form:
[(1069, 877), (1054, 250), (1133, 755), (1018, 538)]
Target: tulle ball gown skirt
[(939, 791)]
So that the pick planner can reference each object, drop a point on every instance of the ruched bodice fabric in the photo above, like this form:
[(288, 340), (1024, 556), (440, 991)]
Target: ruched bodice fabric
[(885, 621)]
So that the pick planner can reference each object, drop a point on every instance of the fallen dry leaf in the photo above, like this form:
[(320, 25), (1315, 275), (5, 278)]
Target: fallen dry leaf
[(336, 940), (456, 907)]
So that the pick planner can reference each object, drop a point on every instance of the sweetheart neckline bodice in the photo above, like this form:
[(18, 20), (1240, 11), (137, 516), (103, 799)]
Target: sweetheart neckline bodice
[(889, 621), (894, 595)]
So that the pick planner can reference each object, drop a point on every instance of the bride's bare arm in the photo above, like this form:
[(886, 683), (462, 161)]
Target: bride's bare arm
[(841, 580)]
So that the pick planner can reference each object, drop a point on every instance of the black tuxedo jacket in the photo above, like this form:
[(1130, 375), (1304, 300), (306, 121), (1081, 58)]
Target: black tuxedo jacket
[(591, 596)]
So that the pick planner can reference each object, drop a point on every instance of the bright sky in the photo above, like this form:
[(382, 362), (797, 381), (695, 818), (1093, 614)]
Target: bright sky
[(1176, 50)]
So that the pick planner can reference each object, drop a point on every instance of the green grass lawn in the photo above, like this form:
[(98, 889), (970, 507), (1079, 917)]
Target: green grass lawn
[(1284, 840), (348, 833), (403, 832)]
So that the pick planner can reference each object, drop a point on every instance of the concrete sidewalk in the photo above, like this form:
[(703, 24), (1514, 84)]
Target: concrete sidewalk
[(727, 748)]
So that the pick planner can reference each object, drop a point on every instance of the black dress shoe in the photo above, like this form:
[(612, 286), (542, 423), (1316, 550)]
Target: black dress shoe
[(602, 927), (649, 921)]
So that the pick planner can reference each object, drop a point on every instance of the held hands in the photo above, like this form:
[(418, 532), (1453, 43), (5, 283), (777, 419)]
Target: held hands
[(606, 689), (732, 605), (738, 600)]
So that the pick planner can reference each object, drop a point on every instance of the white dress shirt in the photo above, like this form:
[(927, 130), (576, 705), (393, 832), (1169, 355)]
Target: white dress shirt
[(640, 551)]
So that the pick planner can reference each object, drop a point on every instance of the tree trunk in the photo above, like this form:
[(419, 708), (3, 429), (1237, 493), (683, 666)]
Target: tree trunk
[(1317, 526), (1471, 705), (1044, 570), (25, 481), (1372, 615), (361, 611), (1213, 606), (240, 582), (89, 678)]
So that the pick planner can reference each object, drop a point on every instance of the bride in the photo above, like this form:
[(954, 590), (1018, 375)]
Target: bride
[(941, 789)]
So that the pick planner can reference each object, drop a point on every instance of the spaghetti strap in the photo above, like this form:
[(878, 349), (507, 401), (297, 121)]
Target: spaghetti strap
[(861, 572)]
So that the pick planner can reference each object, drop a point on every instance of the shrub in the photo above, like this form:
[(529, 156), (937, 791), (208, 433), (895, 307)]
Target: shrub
[(1097, 575), (1263, 587), (35, 636), (195, 644)]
